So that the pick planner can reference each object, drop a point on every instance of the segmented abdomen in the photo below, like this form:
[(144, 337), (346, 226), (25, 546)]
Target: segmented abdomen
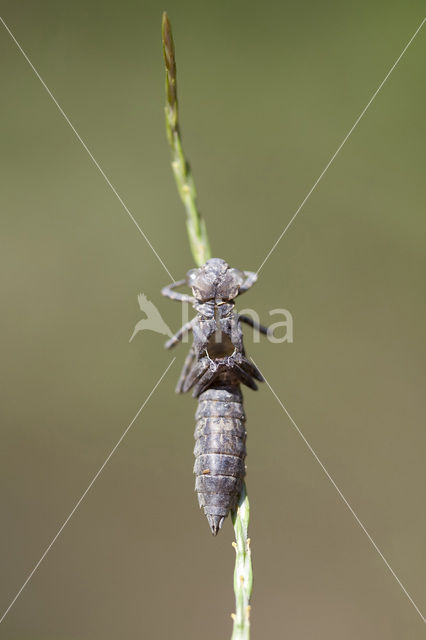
[(220, 451)]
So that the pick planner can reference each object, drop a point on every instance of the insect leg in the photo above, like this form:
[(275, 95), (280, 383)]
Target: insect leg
[(175, 295), (189, 361), (251, 278), (186, 328), (256, 325)]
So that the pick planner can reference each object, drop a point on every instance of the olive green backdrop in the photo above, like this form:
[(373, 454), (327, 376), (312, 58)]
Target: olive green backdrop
[(268, 91)]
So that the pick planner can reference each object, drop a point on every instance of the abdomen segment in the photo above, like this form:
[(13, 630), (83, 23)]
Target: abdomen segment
[(219, 451)]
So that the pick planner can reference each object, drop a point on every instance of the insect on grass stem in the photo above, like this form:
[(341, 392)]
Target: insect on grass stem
[(200, 248)]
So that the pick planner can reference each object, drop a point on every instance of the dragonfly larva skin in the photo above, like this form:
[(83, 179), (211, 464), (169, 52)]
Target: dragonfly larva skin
[(214, 369), (220, 451)]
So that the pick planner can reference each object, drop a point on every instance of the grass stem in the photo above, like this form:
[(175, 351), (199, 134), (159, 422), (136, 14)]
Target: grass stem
[(195, 224), (199, 243)]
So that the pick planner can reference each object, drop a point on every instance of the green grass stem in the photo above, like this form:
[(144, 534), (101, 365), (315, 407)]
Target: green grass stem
[(195, 224)]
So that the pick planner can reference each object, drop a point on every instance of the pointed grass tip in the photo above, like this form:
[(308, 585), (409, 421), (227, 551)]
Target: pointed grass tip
[(168, 45)]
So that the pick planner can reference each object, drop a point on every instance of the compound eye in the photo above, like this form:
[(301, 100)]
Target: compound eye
[(230, 286), (191, 276), (201, 283), (237, 275)]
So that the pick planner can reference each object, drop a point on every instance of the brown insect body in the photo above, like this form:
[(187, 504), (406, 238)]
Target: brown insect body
[(220, 451), (214, 370)]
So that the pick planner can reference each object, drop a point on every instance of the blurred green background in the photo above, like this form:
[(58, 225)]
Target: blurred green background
[(267, 92)]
